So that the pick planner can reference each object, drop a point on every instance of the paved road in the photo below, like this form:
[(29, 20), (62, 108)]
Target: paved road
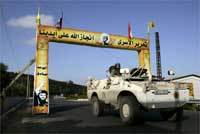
[(10, 102), (71, 116)]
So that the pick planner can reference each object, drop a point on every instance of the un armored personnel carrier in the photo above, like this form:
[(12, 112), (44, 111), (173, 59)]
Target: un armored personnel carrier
[(133, 91)]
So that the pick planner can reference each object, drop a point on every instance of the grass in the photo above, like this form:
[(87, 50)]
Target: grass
[(191, 107), (76, 97)]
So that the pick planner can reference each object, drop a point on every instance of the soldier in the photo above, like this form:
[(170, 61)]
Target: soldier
[(115, 70)]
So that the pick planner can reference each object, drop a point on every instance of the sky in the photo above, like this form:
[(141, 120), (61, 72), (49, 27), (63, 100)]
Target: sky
[(177, 21)]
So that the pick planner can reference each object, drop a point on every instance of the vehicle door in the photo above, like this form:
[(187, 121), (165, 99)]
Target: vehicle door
[(110, 91)]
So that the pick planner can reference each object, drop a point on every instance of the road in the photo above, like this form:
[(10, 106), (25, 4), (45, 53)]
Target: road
[(10, 102), (76, 116)]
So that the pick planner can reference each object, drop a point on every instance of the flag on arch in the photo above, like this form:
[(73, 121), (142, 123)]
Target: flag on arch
[(130, 35), (59, 22)]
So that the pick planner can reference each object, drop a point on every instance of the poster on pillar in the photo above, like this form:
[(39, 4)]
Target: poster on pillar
[(41, 89)]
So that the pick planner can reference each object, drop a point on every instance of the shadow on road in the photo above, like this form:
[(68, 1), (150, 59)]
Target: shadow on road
[(65, 108)]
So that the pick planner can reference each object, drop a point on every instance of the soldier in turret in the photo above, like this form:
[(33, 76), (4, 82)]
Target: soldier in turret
[(115, 70)]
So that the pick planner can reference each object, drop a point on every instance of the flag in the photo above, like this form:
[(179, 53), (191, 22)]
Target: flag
[(59, 23), (151, 24), (129, 31), (38, 17)]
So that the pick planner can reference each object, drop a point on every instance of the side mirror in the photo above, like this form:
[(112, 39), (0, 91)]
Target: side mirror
[(171, 72)]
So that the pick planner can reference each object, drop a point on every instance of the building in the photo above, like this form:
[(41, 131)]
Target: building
[(195, 80)]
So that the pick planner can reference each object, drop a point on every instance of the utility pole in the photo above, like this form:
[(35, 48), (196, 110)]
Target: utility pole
[(158, 57), (28, 87), (20, 73)]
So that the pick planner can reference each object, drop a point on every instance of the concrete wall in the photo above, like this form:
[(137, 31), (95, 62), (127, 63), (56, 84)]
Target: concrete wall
[(196, 85)]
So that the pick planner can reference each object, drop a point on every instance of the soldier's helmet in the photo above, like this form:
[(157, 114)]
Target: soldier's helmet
[(117, 65)]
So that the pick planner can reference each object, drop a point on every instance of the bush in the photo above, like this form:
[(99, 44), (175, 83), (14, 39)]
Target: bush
[(191, 107)]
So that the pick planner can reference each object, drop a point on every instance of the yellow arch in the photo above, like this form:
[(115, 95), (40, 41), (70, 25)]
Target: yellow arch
[(46, 34)]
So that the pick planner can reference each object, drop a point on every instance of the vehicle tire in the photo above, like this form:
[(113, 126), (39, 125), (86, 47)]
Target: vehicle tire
[(129, 110), (97, 106)]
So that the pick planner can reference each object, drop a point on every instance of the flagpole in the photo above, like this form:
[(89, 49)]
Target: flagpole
[(148, 34), (150, 25)]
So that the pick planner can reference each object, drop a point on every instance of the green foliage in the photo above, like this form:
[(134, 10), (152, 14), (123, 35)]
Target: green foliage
[(66, 88), (3, 67), (20, 86), (4, 77), (55, 87), (192, 107), (75, 97)]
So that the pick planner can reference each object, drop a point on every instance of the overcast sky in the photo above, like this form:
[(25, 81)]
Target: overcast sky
[(177, 21)]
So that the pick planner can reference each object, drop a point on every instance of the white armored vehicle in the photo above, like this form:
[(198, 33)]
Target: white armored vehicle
[(133, 91)]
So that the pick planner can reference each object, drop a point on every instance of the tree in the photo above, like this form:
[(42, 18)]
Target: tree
[(3, 67), (4, 78), (70, 82)]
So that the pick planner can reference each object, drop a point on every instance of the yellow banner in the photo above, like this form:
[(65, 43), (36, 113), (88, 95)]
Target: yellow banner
[(96, 39)]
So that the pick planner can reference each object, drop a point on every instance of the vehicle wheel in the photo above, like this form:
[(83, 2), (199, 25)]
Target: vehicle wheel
[(97, 106), (129, 110), (167, 114)]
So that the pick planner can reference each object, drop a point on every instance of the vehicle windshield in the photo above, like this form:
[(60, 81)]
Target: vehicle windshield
[(140, 74)]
